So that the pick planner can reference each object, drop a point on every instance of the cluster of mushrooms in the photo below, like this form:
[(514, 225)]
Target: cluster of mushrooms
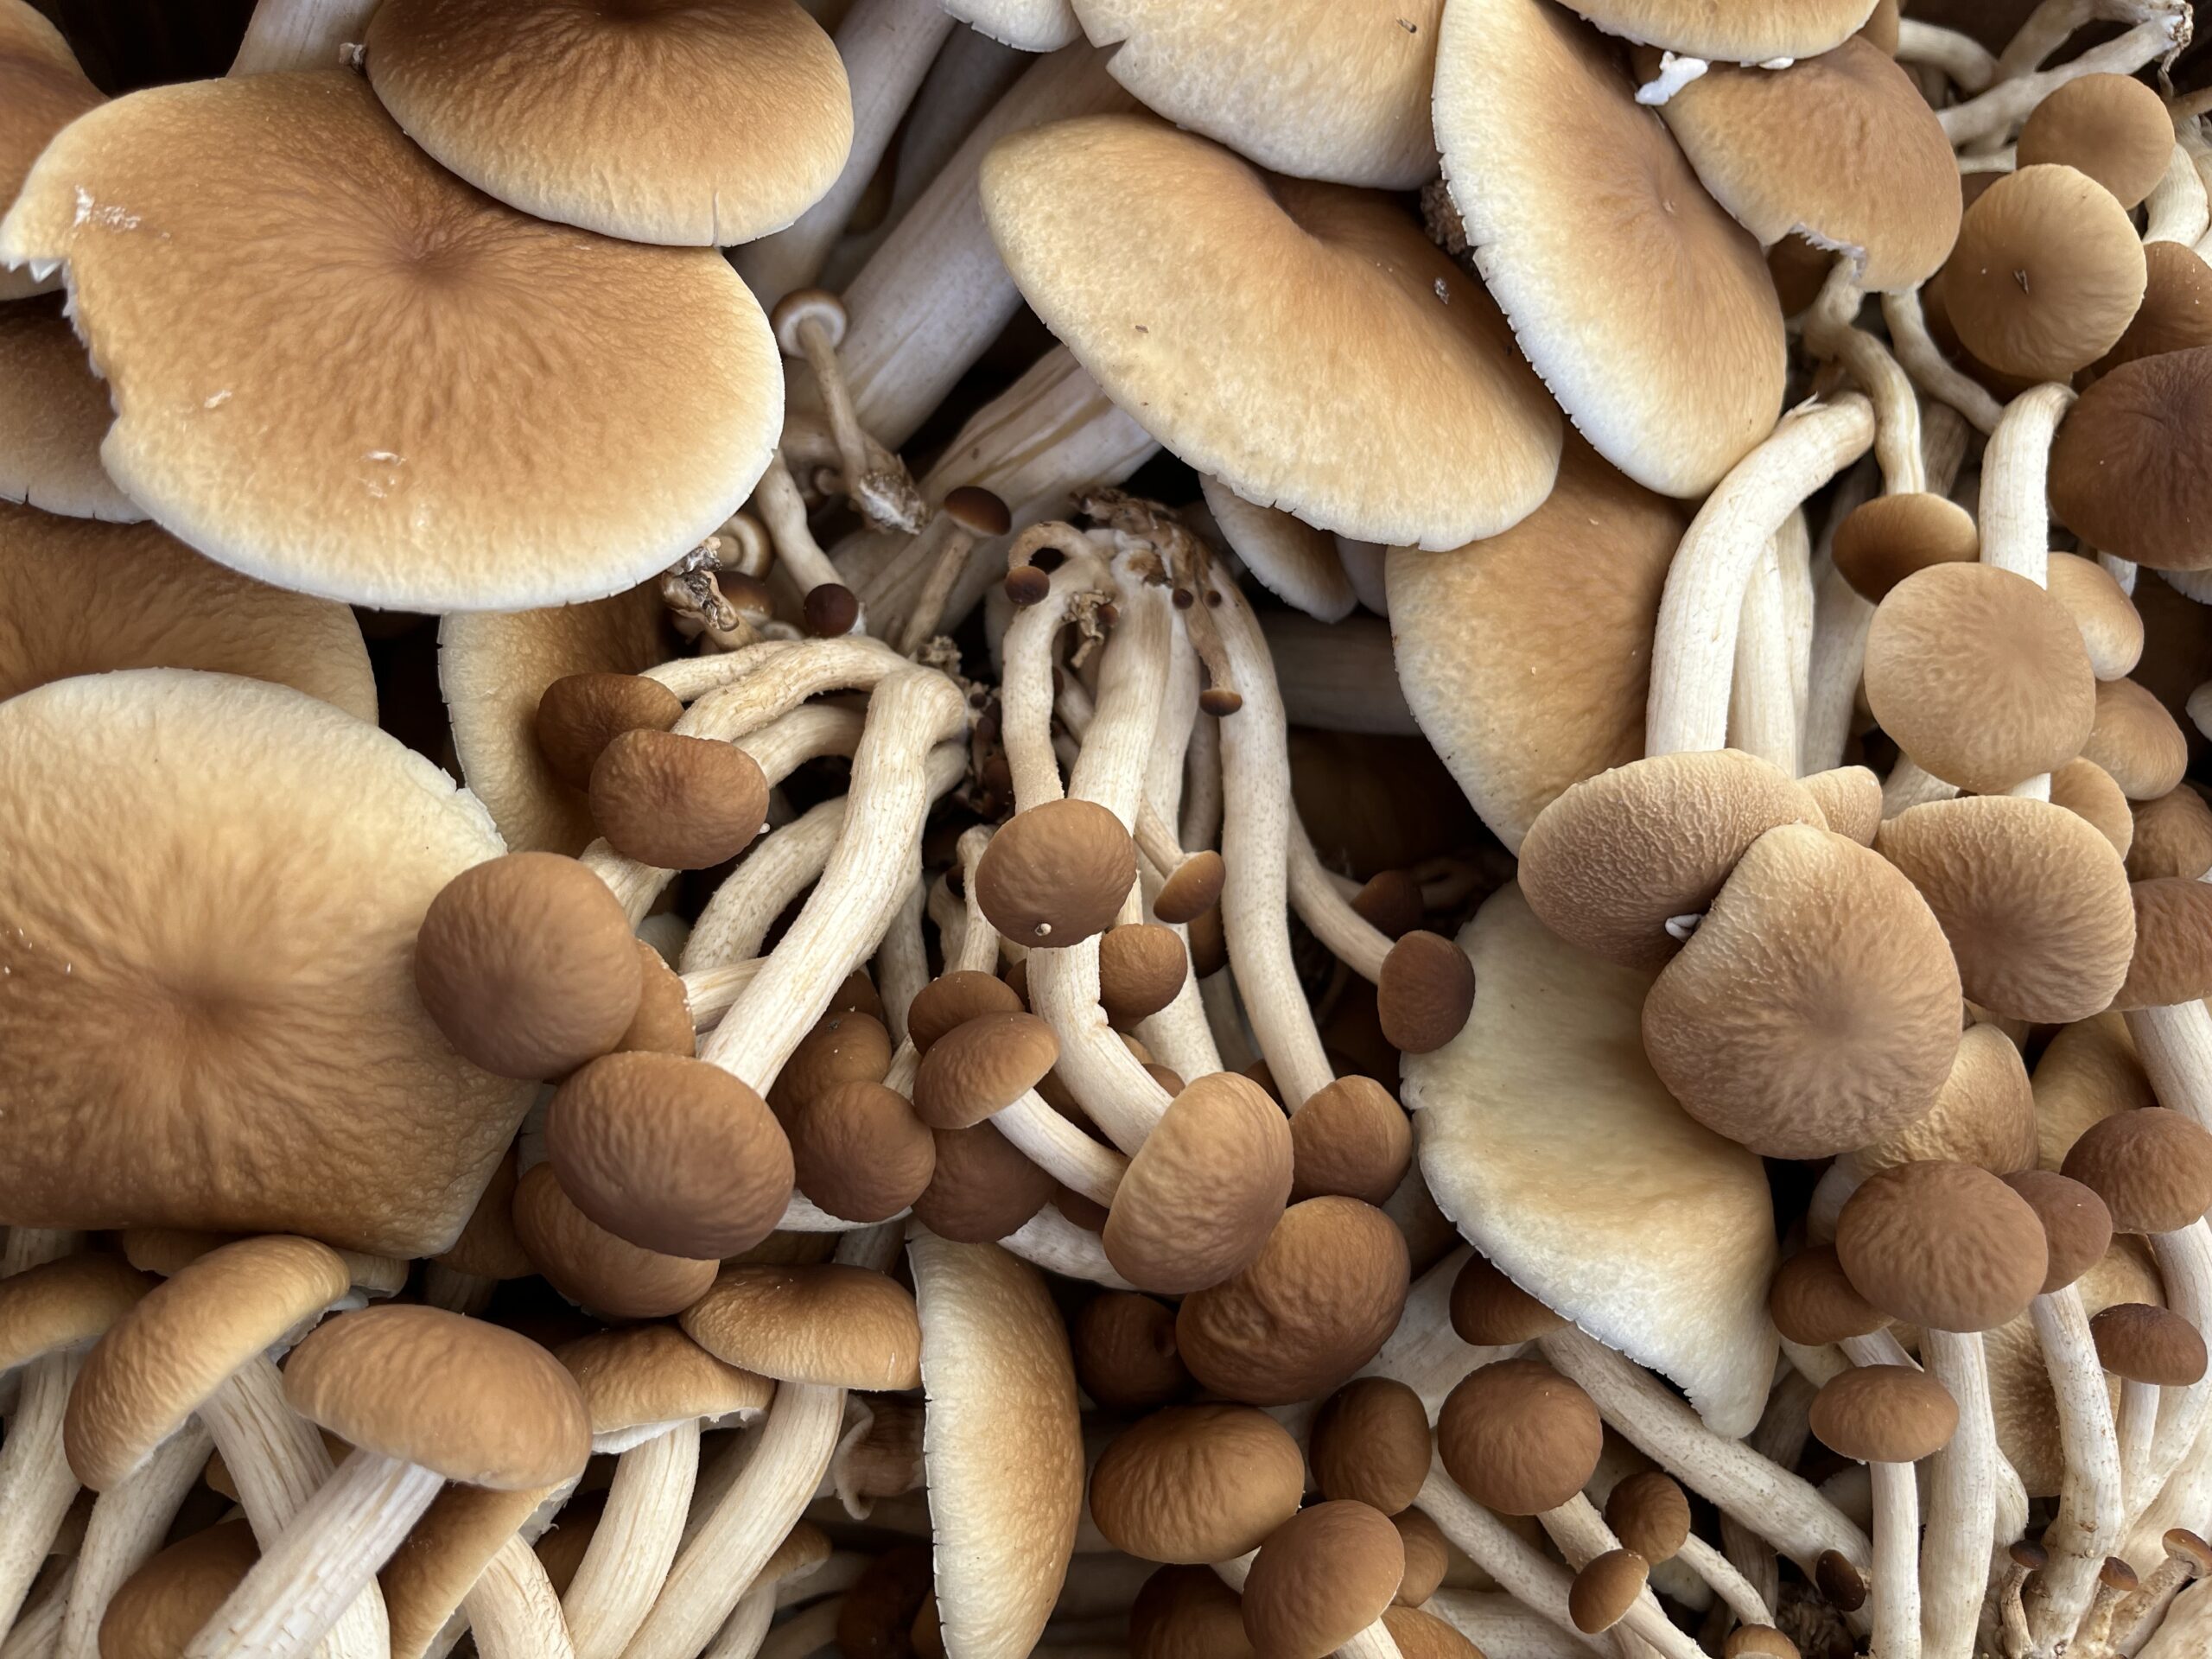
[(1229, 831)]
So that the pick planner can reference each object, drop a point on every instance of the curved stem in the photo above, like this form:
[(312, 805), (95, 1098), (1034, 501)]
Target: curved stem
[(512, 1610), (2185, 1268), (1529, 1577), (1352, 939), (2015, 517), (1930, 370), (628, 1560), (1964, 61), (2007, 103), (2175, 1044), (2091, 1505), (1830, 332), (902, 965), (127, 1526), (1049, 1240), (1762, 700), (2177, 210), (287, 34)]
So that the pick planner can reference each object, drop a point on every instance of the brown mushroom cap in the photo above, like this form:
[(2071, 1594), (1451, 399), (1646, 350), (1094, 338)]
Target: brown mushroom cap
[(2086, 790), (42, 91), (1428, 1556), (1815, 1008), (1197, 1484), (2022, 1400), (2173, 945), (1883, 541), (2089, 1070), (2175, 314), (2126, 467), (829, 1324), (443, 1557), (1056, 874), (1350, 1138), (1815, 1302), (664, 1022), (1424, 993), (1141, 967), (1322, 1576), (65, 1303), (2112, 128), (1942, 1244), (953, 999), (1370, 1441), (1754, 33), (53, 412), (2148, 1344), (2112, 628), (1984, 1113), (1649, 1513), (1885, 1414), (1605, 1588), (595, 1269), (1125, 1355), (844, 1045), (647, 1376), (1191, 888), (1850, 799), (2173, 836), (1488, 1310), (1199, 1199), (981, 1187), (2151, 1167), (580, 714), (981, 1067), (1187, 1612), (1420, 1635), (1979, 675), (2137, 741), (2076, 1226), (1517, 1437), (2047, 275), (858, 1151), (674, 801), (161, 1607)]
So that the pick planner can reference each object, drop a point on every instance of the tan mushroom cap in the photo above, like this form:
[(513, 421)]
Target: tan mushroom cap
[(1322, 1576), (1885, 1414), (1840, 149), (1423, 993), (1142, 965), (1615, 858), (1125, 1358), (1815, 1302), (648, 1376), (1883, 541), (858, 1151), (53, 412), (1294, 561), (1648, 310), (593, 1268), (161, 1607), (167, 1250), (1850, 799), (1816, 1009), (1605, 1589), (1985, 1113), (65, 1303), (62, 612), (2173, 836), (1946, 1245), (2086, 790), (1753, 32), (263, 1063), (1370, 1442), (664, 1022), (2112, 629), (981, 1187), (1420, 1635), (1056, 874), (1525, 658), (580, 714), (951, 1000), (2152, 1167), (2127, 467), (1197, 1484), (1302, 342), (42, 91), (2077, 1225), (2173, 945), (2148, 1344), (1187, 1612), (697, 125), (1649, 1513), (983, 1067), (160, 1363), (1488, 1310), (1979, 675), (2175, 314), (2019, 1381), (443, 1554), (2112, 128), (1517, 1437), (1610, 1204), (1199, 1199), (2089, 1070), (1191, 888), (2047, 275), (2032, 899), (1428, 1556), (2138, 741), (613, 406), (675, 802), (474, 1401), (1350, 1138), (842, 1327)]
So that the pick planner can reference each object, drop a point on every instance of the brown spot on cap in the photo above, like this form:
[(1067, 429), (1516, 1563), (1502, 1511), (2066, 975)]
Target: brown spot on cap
[(1200, 1197), (1056, 874), (579, 714), (1322, 1576), (1370, 1441), (677, 803), (1885, 1414), (1942, 1244), (1197, 1484), (1518, 1438), (2151, 1167)]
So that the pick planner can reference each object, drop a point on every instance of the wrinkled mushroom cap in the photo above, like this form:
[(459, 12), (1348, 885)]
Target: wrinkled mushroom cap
[(1517, 1437), (2173, 945), (42, 91), (1125, 1358), (1942, 1244), (983, 1067), (595, 1269), (2137, 739), (53, 412), (1322, 1576), (1649, 1513), (952, 999), (65, 1303), (1370, 1442), (2175, 314), (2087, 1071), (2173, 836), (1187, 1612), (161, 1607), (1750, 33), (1056, 874), (2086, 790), (676, 802), (2152, 1167), (1350, 1138), (981, 1187), (1850, 799), (1883, 541), (2129, 466), (1985, 1113), (2148, 1344), (858, 1151), (2112, 128), (1199, 1198), (1605, 1588), (1488, 1310), (829, 1324), (1197, 1484), (284, 343), (2076, 1226), (1885, 1414), (1815, 1302), (649, 1377)]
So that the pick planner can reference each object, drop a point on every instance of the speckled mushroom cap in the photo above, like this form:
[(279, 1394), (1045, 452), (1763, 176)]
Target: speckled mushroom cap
[(2152, 1167), (1201, 1196), (1026, 25), (1676, 1278), (1616, 857), (2173, 836), (1979, 675), (1771, 147), (159, 1362), (1883, 541), (1756, 33), (1814, 1300), (613, 405), (1850, 799), (1517, 1437), (1525, 657), (983, 1067), (42, 91), (443, 1557), (474, 1402), (1985, 1113), (161, 1607), (2175, 314), (641, 1379), (1056, 874), (843, 1327), (2137, 741), (2112, 628), (2148, 1344), (1648, 311), (1816, 1009), (2089, 1070), (1885, 1414), (699, 125), (1488, 1310), (240, 1007), (2033, 900), (2173, 945), (1318, 90), (1650, 1514), (62, 612), (2076, 1226), (593, 1268), (2047, 275), (1370, 1442), (1197, 1484), (2112, 128), (65, 1303), (2019, 1381), (1322, 1576), (1302, 342), (2086, 790), (1294, 561), (1942, 1244), (2127, 469), (53, 412)]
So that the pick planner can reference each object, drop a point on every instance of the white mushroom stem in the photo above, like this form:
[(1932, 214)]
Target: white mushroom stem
[(2091, 1505), (2185, 1268), (1352, 939), (1496, 1622), (1840, 618), (1831, 331), (2139, 1429), (954, 547), (902, 965), (2175, 1044), (1761, 697), (1178, 1036), (628, 1560), (36, 1485), (2014, 517), (512, 1610), (1962, 1499), (2054, 22), (1930, 370), (873, 480), (1780, 1437), (2007, 103), (798, 556), (1049, 1240), (1966, 62), (1529, 1577), (37, 1633), (1582, 1536), (1693, 648), (2177, 209), (1908, 785), (127, 1526), (1200, 821), (1424, 1352), (287, 34), (1744, 1598), (784, 864)]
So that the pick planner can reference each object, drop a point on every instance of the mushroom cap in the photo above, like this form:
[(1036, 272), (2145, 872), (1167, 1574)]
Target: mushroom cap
[(1125, 1355), (2128, 470), (443, 1554), (1985, 1113), (1605, 1588), (1187, 1612), (1647, 310), (1423, 993), (1304, 343), (1294, 561), (951, 1000), (1839, 148), (1616, 857), (580, 714), (981, 1187), (2076, 1226), (42, 91), (1813, 1301), (1196, 1483), (2032, 899), (2047, 275), (1142, 965), (1979, 675), (2173, 836), (2137, 739), (2089, 1070), (981, 1066), (159, 1362), (2175, 314), (1316, 1304), (1649, 1513), (1883, 540), (650, 1376), (1517, 1437), (1885, 1414), (2086, 790), (1944, 1245), (844, 1045), (494, 668), (699, 125), (1002, 1442), (1753, 32), (58, 581), (663, 1024), (1428, 1556), (474, 1401), (65, 1303), (1816, 1009), (1319, 90), (1352, 1138), (592, 1267), (2151, 1167), (1488, 1310), (1370, 1442), (858, 1151), (2112, 128), (2173, 945), (2112, 628), (1850, 799), (1547, 1138), (1056, 874), (1322, 1576), (676, 802), (2020, 1378), (231, 1038), (2148, 1344), (1201, 1197), (508, 383), (1026, 25), (161, 1607), (53, 412), (1191, 888), (1421, 1635), (829, 1324)]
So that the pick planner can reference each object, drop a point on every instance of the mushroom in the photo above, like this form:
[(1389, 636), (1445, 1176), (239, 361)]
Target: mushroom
[(1196, 1484), (46, 91), (466, 1563), (2160, 997), (2150, 1350), (53, 412), (1320, 1579), (2113, 475), (2136, 741), (155, 1611), (2177, 287), (2112, 128), (1747, 35)]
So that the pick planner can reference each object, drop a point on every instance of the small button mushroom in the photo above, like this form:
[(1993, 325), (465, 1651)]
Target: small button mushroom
[(1125, 1358), (1420, 1635), (1881, 542), (981, 1067), (1197, 1200), (1350, 1138), (2086, 790), (1488, 1310), (579, 714), (1187, 1612), (1055, 874), (859, 1153), (2173, 836), (595, 1269), (2137, 739), (1944, 1245), (1813, 1301), (982, 1187), (1321, 1577), (1194, 1484), (158, 1608), (677, 803), (663, 1024), (1370, 1442), (1191, 888), (1428, 1556), (2124, 466), (1605, 1588), (1517, 1437), (2176, 311), (844, 1047), (953, 999), (2112, 128), (1888, 1417), (1424, 993), (2112, 628), (1142, 965)]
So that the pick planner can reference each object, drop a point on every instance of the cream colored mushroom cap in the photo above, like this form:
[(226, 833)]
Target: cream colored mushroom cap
[(42, 91), (338, 367), (1744, 33), (230, 1038), (1317, 89), (53, 412), (701, 125), (1026, 25), (1648, 311), (1298, 564), (79, 596), (1304, 343), (1547, 1137)]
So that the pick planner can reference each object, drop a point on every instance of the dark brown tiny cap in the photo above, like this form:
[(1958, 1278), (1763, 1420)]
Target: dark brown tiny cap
[(580, 714), (978, 510), (831, 608), (1425, 994)]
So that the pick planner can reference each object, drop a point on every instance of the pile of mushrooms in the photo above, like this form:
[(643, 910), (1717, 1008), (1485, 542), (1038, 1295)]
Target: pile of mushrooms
[(951, 828)]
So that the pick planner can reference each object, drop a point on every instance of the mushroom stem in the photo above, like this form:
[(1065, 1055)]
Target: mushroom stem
[(1049, 1240), (784, 864), (1582, 1536), (2092, 1505), (2185, 1261), (2177, 209), (1528, 1576), (1908, 785), (1497, 1622), (37, 1632), (2138, 1427), (885, 495), (36, 1484), (287, 34), (1830, 332), (1744, 1598), (1780, 1437), (127, 1526), (1964, 61), (2053, 22), (1894, 1587), (1352, 939), (512, 1610), (1962, 1499), (2175, 1044), (1930, 370), (2007, 103), (1840, 618), (782, 510), (1762, 698), (628, 1560), (946, 567), (2014, 517), (902, 965)]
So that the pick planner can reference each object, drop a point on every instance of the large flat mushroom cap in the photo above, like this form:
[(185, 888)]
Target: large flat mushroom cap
[(79, 596), (212, 888), (1648, 311), (1302, 342), (1732, 31), (337, 367), (42, 91), (701, 124), (53, 412), (1318, 89), (2131, 468), (1545, 1136)]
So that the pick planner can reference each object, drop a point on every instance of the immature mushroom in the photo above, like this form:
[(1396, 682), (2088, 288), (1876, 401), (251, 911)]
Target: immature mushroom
[(2112, 628), (455, 1567), (1320, 1578), (1196, 1483), (2112, 128), (2150, 1350), (156, 1610), (593, 1268), (2137, 741), (2173, 836), (2176, 311), (44, 92)]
